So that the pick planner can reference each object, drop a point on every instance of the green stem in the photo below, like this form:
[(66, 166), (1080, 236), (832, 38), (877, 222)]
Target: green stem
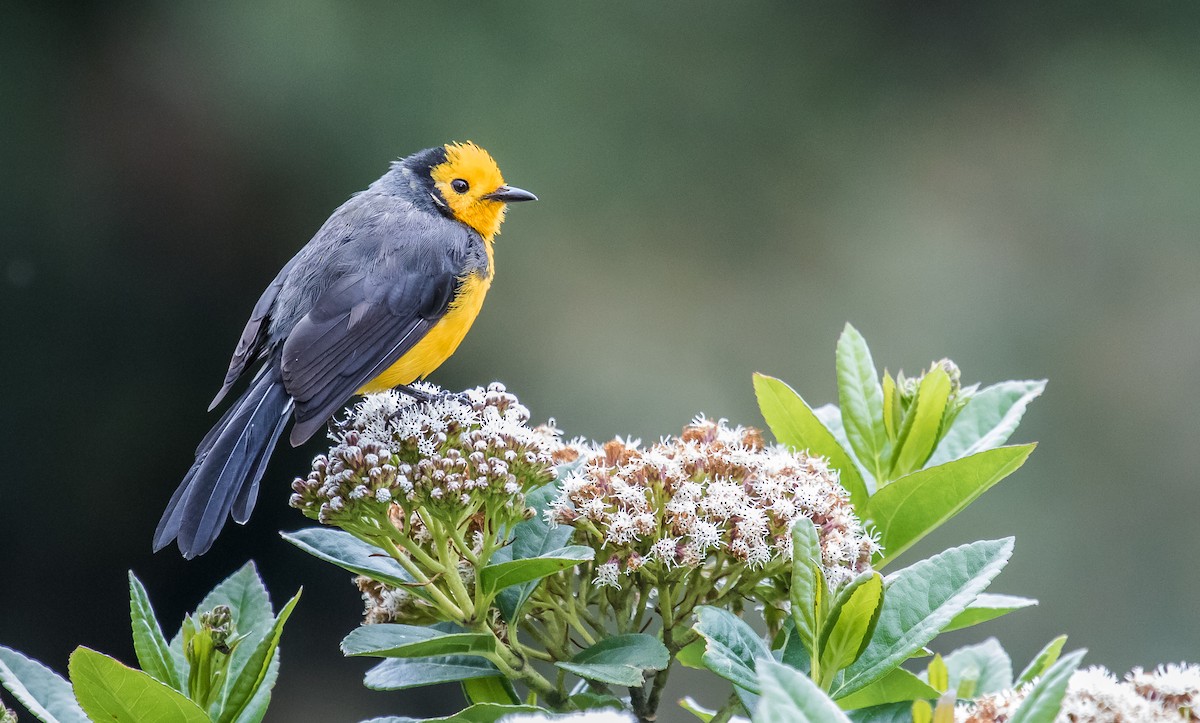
[(725, 712), (439, 597), (514, 666), (398, 538), (457, 587)]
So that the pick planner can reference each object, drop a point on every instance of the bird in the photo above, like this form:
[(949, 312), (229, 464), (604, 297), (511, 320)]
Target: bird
[(378, 299)]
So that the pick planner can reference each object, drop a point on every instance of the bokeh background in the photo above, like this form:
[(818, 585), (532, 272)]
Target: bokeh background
[(1010, 184)]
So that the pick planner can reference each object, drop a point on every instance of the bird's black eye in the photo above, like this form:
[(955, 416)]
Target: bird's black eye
[(459, 185)]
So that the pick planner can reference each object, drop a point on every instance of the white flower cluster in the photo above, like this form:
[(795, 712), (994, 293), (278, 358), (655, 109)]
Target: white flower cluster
[(453, 451), (1169, 694), (714, 490)]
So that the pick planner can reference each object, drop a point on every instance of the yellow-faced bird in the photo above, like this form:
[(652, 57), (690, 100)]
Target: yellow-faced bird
[(379, 298)]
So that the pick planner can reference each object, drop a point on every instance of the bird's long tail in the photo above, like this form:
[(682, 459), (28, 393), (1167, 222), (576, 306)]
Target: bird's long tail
[(230, 461)]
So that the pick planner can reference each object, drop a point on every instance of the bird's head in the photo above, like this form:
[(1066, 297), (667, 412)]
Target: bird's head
[(465, 184)]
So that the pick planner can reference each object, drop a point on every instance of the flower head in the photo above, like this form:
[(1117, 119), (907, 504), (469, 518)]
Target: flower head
[(399, 459), (1094, 695), (713, 491)]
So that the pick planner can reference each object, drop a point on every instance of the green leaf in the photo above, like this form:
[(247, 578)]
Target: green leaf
[(1043, 660), (988, 607), (795, 424), (533, 538), (153, 652), (987, 420), (620, 660), (689, 704), (478, 713), (109, 691), (692, 656), (808, 591), (731, 646), (490, 689), (250, 604), (350, 553), (403, 673), (1044, 701), (987, 664), (256, 709), (392, 640), (897, 686), (889, 713), (920, 600), (919, 433), (860, 398), (848, 627), (247, 681), (494, 578), (938, 674), (892, 416), (46, 694), (789, 697), (916, 504), (589, 700)]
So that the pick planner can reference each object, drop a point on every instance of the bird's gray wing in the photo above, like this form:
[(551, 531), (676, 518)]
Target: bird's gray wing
[(362, 324), (253, 343)]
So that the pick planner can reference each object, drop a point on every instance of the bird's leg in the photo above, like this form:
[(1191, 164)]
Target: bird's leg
[(416, 394)]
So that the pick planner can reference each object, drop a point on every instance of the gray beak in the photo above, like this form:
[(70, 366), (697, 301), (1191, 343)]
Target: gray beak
[(509, 194)]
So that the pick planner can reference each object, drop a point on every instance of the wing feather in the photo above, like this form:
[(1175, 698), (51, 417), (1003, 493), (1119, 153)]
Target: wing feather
[(361, 325)]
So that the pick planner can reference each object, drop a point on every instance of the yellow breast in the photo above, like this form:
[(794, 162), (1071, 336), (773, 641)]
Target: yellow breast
[(440, 342)]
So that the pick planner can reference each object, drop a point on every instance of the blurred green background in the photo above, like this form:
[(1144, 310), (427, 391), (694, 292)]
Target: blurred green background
[(1010, 184)]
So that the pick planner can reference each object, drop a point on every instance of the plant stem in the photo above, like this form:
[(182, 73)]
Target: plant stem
[(439, 597), (725, 712)]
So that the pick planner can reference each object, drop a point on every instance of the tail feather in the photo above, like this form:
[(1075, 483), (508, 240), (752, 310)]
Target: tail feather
[(229, 464), (243, 505)]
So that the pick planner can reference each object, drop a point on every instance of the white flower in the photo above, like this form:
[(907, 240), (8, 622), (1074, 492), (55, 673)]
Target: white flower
[(607, 575)]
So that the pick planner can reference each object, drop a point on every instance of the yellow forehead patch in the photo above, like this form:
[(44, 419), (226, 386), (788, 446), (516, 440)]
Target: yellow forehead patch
[(468, 162)]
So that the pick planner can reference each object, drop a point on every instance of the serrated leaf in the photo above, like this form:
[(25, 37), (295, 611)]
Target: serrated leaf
[(986, 663), (478, 713), (392, 640), (1042, 661), (895, 687), (110, 691), (987, 420), (795, 424), (149, 644), (808, 590), (860, 397), (247, 598), (494, 578), (246, 682), (256, 709), (403, 673), (916, 504), (350, 553), (789, 697), (731, 646), (988, 607), (920, 600), (46, 694), (1044, 701), (620, 660), (919, 433), (850, 622)]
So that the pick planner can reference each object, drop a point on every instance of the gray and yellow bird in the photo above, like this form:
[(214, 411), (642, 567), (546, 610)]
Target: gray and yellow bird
[(379, 298)]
